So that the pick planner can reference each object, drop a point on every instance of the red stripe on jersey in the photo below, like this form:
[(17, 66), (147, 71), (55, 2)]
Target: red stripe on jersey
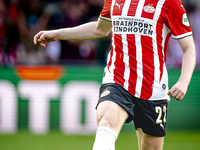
[(119, 64), (111, 55), (132, 63), (149, 4), (133, 7), (118, 7), (148, 67)]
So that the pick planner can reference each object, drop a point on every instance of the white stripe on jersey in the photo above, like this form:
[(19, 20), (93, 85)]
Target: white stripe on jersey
[(112, 66), (126, 61), (158, 9), (112, 6), (165, 32), (125, 48), (139, 8), (139, 52), (126, 7), (139, 65), (108, 73)]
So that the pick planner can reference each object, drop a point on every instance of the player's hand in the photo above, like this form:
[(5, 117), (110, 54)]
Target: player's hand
[(178, 91), (44, 37)]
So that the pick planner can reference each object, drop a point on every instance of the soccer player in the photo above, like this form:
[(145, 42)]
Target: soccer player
[(135, 82)]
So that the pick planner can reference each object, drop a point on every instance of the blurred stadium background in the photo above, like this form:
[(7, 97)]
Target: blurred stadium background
[(48, 96)]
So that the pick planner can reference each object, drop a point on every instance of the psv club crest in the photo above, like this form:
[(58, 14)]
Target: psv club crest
[(149, 8)]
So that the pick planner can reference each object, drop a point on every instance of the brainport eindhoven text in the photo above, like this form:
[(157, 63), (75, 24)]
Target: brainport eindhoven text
[(132, 26)]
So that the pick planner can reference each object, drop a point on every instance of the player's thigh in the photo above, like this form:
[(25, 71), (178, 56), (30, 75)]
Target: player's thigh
[(114, 106), (150, 116), (111, 114), (147, 142)]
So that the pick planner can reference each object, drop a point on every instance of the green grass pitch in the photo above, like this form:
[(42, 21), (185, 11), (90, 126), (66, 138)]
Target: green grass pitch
[(55, 140)]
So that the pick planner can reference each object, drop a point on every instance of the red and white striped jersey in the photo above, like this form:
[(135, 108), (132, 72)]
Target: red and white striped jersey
[(140, 33)]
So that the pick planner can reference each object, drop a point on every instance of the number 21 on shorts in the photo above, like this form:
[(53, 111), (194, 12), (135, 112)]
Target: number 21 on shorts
[(162, 114)]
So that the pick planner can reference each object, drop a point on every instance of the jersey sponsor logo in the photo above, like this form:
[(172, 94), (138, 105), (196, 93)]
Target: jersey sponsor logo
[(130, 25), (119, 5), (105, 93), (149, 8), (185, 20)]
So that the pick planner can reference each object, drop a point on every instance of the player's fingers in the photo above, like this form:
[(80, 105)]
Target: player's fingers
[(175, 93), (171, 91), (37, 37), (179, 96), (43, 45), (178, 91)]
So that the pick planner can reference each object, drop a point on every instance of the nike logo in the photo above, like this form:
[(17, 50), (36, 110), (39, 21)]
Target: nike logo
[(119, 5)]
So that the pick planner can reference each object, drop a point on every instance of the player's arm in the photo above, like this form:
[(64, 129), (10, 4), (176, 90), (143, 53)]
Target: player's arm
[(179, 90), (88, 31)]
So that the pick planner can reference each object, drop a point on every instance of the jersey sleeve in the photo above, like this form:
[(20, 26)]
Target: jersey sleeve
[(178, 21), (105, 13)]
